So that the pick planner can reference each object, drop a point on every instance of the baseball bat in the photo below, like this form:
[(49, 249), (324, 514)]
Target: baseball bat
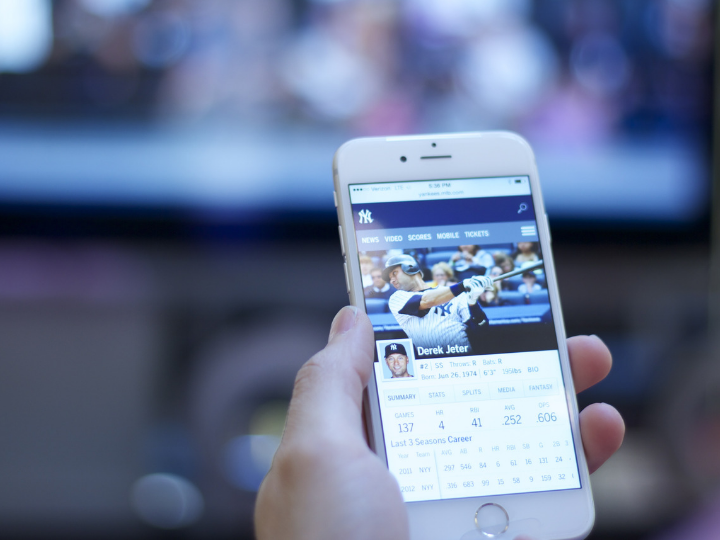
[(517, 271)]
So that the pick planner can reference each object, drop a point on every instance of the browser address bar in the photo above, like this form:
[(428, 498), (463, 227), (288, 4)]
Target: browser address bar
[(444, 194), (439, 189)]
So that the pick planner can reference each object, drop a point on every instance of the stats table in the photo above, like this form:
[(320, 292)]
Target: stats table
[(478, 425)]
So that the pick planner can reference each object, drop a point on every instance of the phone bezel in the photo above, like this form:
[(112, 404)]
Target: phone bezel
[(557, 514)]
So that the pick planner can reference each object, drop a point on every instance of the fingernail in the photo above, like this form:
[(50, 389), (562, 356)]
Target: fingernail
[(343, 321)]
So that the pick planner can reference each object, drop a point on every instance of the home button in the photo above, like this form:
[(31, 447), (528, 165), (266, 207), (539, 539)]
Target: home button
[(491, 519)]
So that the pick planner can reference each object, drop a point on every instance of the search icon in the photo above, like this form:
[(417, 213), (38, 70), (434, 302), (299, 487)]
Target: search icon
[(522, 208)]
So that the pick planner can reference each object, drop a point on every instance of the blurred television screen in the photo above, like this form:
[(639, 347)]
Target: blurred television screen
[(215, 108)]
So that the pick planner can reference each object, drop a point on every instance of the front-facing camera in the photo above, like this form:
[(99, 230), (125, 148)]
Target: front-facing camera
[(403, 159)]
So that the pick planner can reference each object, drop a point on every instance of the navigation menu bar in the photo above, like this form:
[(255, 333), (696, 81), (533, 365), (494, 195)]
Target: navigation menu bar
[(448, 236)]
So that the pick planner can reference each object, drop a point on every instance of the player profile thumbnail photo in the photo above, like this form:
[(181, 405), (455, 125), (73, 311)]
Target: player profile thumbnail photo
[(397, 359), (456, 301)]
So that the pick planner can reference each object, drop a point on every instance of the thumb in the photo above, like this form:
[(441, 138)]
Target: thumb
[(327, 397)]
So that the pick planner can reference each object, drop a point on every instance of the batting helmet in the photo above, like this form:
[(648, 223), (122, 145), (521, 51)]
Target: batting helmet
[(406, 262)]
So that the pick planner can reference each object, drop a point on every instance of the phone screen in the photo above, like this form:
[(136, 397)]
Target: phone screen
[(470, 385)]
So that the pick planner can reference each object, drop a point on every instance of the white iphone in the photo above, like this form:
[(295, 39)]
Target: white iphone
[(471, 405)]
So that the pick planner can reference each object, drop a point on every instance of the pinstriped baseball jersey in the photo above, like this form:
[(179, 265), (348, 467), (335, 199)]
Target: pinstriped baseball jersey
[(439, 326)]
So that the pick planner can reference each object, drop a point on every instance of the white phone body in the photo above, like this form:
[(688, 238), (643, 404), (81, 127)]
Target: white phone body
[(457, 410)]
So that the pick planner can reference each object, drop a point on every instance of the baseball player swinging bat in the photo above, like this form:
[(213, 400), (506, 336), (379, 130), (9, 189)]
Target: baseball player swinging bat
[(438, 317)]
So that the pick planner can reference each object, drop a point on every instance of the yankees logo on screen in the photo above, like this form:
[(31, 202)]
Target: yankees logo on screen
[(365, 216)]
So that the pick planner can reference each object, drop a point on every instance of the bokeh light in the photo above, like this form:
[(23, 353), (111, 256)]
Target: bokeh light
[(26, 34), (167, 501)]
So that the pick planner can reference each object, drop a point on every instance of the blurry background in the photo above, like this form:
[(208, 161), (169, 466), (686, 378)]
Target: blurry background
[(168, 241)]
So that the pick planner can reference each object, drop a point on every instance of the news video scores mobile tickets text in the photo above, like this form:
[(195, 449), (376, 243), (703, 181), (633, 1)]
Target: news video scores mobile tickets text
[(467, 369)]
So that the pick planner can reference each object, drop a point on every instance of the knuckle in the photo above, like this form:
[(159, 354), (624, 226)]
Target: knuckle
[(308, 373), (305, 456), (291, 460), (311, 373)]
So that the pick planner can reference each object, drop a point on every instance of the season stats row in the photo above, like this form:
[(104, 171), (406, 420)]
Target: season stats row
[(467, 419)]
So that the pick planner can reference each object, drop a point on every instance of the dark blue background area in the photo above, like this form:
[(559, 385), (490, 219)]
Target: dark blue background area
[(444, 212)]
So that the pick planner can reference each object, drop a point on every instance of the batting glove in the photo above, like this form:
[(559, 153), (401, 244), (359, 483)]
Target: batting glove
[(474, 288), (474, 292), (482, 282)]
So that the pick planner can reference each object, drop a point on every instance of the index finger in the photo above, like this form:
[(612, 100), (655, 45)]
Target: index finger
[(590, 361)]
